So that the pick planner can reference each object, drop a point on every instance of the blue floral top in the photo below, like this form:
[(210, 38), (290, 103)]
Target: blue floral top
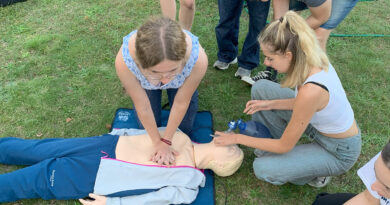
[(174, 83)]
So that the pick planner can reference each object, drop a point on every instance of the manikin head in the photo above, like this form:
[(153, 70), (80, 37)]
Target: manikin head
[(382, 173), (223, 160), (160, 49)]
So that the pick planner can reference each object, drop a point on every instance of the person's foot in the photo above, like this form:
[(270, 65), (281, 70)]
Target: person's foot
[(222, 65), (319, 182), (244, 75), (266, 74)]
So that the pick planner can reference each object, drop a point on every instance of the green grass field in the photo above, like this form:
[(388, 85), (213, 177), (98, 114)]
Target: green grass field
[(58, 79)]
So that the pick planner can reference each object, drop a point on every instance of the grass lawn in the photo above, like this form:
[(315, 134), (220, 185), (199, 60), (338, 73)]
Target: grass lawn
[(57, 79)]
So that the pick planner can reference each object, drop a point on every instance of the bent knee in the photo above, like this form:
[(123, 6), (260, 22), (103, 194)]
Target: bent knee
[(267, 172), (259, 89), (188, 4)]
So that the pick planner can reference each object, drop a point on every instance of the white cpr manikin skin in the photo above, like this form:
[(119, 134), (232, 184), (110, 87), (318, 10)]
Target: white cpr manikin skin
[(139, 148), (204, 153)]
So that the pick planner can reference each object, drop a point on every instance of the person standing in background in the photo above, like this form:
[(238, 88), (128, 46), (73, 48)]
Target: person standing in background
[(186, 12), (325, 16), (227, 32)]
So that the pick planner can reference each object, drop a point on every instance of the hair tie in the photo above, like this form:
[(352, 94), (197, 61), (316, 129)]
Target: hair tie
[(281, 19)]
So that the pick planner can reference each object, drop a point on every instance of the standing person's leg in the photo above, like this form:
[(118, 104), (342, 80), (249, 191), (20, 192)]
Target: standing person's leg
[(340, 9), (155, 102), (168, 8), (186, 13), (68, 177), (249, 58), (227, 32), (280, 7), (189, 118), (323, 36), (250, 55), (17, 151)]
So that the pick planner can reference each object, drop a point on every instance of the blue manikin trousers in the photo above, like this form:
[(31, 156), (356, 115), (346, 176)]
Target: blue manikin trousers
[(56, 168)]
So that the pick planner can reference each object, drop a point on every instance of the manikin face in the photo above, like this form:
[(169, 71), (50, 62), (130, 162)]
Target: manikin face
[(163, 72), (382, 183), (280, 62), (227, 159)]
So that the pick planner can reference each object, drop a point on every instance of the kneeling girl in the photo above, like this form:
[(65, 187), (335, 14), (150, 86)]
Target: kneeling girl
[(318, 108)]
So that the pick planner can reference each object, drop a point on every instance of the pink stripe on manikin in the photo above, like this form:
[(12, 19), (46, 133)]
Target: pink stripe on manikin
[(161, 166)]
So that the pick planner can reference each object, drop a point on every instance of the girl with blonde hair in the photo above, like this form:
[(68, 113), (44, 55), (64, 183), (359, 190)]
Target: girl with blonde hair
[(318, 108)]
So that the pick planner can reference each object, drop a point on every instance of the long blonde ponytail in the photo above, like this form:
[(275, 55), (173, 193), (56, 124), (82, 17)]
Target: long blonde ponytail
[(292, 34)]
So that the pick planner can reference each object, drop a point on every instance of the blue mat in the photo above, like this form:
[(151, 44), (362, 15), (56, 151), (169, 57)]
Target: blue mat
[(203, 127)]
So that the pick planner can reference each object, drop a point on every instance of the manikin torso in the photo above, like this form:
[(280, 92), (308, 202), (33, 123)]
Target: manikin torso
[(139, 149)]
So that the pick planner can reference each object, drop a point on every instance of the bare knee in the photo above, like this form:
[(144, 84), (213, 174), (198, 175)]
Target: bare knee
[(188, 4)]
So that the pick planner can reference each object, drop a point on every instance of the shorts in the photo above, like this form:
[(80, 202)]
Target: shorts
[(340, 9)]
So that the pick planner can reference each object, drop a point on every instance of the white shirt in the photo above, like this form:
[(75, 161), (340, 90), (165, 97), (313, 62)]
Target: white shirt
[(337, 116), (367, 175)]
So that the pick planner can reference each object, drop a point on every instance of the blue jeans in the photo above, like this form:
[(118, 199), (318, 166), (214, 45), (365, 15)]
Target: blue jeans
[(340, 9), (155, 102), (324, 156), (228, 28), (57, 168)]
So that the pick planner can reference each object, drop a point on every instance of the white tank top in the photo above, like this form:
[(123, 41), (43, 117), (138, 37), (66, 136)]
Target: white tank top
[(337, 116)]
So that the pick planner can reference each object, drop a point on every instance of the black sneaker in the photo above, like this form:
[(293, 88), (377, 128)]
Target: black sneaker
[(266, 74)]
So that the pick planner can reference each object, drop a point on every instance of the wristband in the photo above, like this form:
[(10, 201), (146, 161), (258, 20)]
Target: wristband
[(168, 142)]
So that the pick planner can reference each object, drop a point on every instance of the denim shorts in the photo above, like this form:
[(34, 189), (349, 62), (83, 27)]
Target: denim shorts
[(340, 9)]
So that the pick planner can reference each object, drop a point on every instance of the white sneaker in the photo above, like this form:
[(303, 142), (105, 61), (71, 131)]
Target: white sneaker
[(222, 65), (319, 182), (244, 75), (248, 80)]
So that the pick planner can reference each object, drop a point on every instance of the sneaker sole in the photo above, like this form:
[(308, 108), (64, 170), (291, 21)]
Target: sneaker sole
[(221, 68), (247, 80), (327, 181), (226, 67)]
